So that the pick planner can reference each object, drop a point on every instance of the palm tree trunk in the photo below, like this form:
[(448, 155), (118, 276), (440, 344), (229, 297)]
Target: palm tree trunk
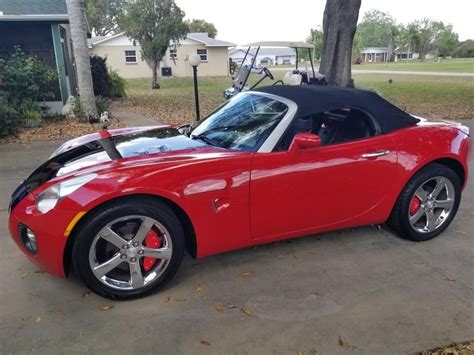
[(77, 20), (339, 26)]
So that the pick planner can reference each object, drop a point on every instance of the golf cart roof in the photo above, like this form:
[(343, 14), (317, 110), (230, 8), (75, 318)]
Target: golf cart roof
[(280, 44)]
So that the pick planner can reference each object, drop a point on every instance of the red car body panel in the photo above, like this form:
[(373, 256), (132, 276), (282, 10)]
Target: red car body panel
[(237, 199)]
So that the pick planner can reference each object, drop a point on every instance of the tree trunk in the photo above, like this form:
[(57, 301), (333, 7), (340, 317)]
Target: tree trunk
[(339, 26), (77, 20), (154, 67)]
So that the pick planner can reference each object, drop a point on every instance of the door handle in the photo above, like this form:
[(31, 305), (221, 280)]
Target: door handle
[(378, 153)]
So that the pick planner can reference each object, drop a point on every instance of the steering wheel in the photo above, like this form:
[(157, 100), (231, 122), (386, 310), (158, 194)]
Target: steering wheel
[(268, 73)]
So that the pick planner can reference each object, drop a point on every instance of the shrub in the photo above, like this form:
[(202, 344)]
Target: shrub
[(102, 104), (107, 83), (117, 85), (100, 76), (26, 78), (26, 81), (9, 117)]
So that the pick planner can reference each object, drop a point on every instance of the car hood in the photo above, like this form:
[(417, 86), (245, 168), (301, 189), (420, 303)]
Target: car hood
[(98, 151)]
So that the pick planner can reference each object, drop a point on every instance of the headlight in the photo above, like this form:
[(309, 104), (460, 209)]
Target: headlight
[(50, 197)]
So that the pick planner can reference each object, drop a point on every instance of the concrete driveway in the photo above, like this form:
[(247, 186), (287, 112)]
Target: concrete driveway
[(357, 291)]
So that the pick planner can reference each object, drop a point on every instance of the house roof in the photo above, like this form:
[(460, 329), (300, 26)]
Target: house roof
[(195, 36), (33, 10), (375, 50), (273, 51), (291, 44), (204, 38)]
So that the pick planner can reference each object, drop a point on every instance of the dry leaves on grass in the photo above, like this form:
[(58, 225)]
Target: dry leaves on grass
[(57, 130)]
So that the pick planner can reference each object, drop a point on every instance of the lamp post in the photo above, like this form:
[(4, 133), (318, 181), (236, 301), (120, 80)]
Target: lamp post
[(195, 60)]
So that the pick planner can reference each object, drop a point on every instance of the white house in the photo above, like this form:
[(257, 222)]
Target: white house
[(375, 55), (124, 56), (265, 56)]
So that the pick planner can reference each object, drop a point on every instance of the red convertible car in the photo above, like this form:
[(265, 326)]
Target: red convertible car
[(120, 207)]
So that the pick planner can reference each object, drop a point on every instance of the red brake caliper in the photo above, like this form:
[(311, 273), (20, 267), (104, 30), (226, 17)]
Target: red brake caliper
[(151, 241), (415, 205)]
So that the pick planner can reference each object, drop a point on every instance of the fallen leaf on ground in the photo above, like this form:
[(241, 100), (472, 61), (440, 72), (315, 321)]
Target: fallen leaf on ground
[(204, 297), (86, 294), (25, 274), (299, 352), (167, 299), (449, 279), (205, 342), (38, 319), (180, 300), (219, 309), (460, 232), (340, 341), (198, 288), (105, 307), (247, 311), (246, 274), (26, 318), (40, 272), (231, 306), (60, 312)]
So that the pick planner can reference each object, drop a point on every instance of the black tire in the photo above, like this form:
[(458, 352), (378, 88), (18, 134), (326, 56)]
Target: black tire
[(399, 220), (143, 206)]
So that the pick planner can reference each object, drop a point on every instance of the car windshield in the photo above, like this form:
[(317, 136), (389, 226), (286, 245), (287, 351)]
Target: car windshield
[(243, 123)]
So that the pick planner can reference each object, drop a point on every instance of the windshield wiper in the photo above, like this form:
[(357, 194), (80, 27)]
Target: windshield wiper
[(206, 139)]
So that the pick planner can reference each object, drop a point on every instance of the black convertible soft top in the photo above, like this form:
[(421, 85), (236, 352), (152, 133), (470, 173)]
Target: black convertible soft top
[(312, 99)]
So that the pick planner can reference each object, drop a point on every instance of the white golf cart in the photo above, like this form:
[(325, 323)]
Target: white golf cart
[(292, 77)]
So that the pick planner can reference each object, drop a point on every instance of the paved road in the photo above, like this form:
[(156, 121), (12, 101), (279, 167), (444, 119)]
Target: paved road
[(395, 72), (374, 291)]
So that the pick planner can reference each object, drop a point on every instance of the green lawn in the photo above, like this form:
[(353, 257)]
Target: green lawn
[(445, 65), (447, 97)]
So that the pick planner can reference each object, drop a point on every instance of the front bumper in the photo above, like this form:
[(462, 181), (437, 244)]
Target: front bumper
[(49, 229)]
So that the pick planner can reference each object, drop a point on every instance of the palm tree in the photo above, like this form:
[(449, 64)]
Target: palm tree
[(411, 38), (77, 20)]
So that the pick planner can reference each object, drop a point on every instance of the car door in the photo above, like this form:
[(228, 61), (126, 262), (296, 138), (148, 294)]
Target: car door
[(332, 185)]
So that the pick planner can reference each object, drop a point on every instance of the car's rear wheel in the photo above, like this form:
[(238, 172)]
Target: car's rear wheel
[(428, 203), (129, 249)]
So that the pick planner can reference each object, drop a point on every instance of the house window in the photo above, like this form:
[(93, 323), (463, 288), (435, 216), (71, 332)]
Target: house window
[(203, 54), (173, 54), (130, 56)]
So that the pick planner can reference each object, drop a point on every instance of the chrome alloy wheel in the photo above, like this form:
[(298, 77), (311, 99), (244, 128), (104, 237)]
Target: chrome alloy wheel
[(431, 204), (130, 252)]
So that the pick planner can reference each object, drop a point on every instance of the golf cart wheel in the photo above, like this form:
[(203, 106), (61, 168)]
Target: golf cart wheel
[(129, 249)]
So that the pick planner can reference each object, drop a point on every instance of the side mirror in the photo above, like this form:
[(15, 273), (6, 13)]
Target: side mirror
[(303, 141)]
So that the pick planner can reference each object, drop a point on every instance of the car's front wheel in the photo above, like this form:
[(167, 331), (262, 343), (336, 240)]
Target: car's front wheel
[(427, 204), (129, 249)]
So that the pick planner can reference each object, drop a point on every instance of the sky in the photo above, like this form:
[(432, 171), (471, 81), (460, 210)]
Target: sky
[(244, 21)]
